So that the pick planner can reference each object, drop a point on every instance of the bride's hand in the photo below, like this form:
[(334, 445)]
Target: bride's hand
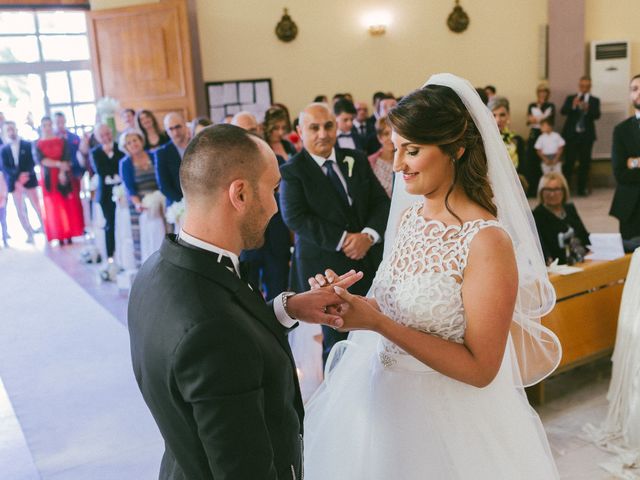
[(359, 314), (330, 278)]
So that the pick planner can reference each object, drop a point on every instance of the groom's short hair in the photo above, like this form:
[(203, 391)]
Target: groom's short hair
[(217, 156)]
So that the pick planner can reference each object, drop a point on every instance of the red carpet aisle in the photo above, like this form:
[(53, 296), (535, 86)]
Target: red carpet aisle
[(66, 369)]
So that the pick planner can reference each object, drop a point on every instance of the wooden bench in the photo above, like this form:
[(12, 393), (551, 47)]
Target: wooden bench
[(585, 317)]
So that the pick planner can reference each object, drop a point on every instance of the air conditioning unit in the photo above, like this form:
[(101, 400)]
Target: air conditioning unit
[(610, 75)]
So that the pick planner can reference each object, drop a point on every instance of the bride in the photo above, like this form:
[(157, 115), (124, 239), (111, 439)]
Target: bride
[(432, 384)]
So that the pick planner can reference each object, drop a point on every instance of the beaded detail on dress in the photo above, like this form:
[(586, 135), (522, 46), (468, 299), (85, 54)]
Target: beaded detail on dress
[(420, 283)]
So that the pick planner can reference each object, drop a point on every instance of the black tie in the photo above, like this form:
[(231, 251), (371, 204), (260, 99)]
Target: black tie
[(227, 262), (335, 181)]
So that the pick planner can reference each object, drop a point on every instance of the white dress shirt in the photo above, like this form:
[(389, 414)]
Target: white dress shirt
[(278, 305), (320, 161), (15, 150), (346, 141)]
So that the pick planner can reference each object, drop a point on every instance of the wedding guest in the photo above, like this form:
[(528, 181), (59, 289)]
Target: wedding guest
[(169, 156), (105, 159), (554, 215), (18, 167), (382, 161), (344, 112), (284, 108), (499, 106), (537, 111), (375, 101), (363, 127), (333, 202), (582, 110), (549, 147), (198, 124), (139, 177), (247, 121), (63, 217), (128, 117), (490, 91), (482, 94), (75, 146), (385, 104), (321, 99), (275, 129), (4, 195), (625, 158), (154, 136)]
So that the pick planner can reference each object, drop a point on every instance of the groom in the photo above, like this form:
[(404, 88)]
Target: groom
[(211, 358)]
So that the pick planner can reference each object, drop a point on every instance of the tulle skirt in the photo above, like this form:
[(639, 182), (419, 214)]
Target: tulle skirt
[(404, 421)]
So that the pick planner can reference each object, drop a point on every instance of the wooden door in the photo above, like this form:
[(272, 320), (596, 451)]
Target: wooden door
[(142, 57)]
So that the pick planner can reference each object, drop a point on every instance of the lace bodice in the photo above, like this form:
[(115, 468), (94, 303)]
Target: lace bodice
[(419, 284)]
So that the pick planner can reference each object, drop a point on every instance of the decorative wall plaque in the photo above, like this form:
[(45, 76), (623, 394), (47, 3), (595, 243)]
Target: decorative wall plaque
[(286, 30), (458, 20)]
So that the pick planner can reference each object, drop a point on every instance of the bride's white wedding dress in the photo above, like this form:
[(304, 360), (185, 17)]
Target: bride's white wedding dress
[(390, 416)]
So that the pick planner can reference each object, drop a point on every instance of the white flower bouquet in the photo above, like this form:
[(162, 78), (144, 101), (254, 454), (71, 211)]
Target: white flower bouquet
[(153, 204), (119, 195), (107, 107), (175, 214)]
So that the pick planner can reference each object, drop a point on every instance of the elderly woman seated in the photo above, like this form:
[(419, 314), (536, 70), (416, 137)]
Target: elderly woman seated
[(562, 233)]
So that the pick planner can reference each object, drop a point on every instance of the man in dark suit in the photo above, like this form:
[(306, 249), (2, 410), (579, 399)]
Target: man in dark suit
[(385, 103), (18, 168), (581, 110), (267, 267), (169, 156), (211, 358), (626, 168), (335, 205), (361, 123), (347, 138)]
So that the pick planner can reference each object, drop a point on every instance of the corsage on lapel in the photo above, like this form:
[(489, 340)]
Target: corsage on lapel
[(349, 161)]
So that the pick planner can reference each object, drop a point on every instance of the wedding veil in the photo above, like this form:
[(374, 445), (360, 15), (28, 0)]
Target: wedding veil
[(537, 348)]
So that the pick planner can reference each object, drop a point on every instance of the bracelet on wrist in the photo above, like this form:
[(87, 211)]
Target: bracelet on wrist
[(285, 300)]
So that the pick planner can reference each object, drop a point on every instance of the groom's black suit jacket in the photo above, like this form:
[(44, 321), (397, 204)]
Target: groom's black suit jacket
[(215, 369), (312, 208)]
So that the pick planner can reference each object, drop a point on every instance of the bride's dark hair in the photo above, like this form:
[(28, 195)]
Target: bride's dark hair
[(435, 115)]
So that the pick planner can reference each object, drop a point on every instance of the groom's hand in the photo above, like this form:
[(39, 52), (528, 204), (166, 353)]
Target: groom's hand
[(321, 304)]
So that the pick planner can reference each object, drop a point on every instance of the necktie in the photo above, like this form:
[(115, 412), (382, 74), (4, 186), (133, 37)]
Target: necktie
[(580, 126), (335, 181), (227, 262), (244, 270)]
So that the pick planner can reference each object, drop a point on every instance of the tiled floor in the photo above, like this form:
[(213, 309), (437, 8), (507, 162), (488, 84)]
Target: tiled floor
[(574, 398)]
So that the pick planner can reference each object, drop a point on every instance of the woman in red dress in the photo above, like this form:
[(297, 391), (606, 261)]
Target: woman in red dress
[(62, 212)]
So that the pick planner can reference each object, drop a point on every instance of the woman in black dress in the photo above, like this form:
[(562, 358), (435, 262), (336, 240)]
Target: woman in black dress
[(558, 222)]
